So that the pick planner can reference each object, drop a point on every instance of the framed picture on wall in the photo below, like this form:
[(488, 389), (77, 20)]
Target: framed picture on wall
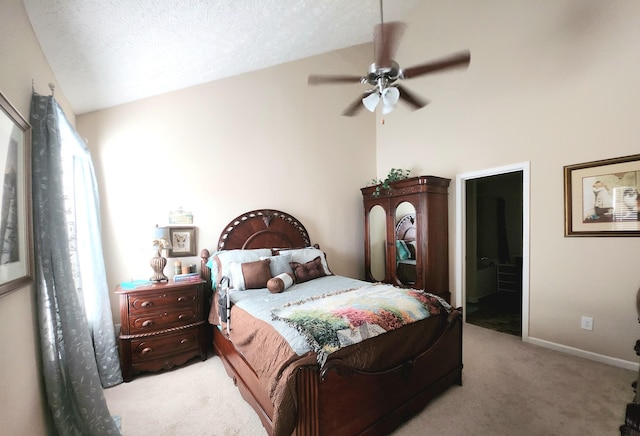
[(601, 197), (183, 241), (16, 234)]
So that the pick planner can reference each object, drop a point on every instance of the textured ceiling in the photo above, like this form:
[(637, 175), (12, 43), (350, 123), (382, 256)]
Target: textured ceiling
[(105, 53)]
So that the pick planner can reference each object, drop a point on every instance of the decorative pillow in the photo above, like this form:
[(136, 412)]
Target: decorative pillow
[(402, 252), (280, 282), (308, 270), (225, 257), (304, 255), (413, 247), (279, 264), (250, 275)]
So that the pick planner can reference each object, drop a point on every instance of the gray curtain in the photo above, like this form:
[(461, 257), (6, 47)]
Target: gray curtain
[(77, 336)]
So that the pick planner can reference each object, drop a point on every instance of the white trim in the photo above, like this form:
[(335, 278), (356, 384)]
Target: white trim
[(460, 234), (620, 363)]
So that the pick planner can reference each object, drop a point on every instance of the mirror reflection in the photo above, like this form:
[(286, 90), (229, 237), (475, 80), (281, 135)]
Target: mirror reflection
[(377, 242), (406, 243)]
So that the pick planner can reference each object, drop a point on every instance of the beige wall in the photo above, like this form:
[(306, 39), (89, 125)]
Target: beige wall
[(551, 83), (21, 387), (259, 140)]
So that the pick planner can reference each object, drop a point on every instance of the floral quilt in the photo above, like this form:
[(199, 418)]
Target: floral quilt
[(338, 319)]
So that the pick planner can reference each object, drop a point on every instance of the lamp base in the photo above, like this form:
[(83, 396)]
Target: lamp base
[(157, 264)]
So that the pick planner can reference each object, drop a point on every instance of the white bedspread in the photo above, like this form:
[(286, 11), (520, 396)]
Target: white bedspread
[(260, 302)]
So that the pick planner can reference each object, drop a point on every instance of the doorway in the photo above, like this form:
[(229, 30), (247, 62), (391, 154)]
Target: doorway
[(492, 256)]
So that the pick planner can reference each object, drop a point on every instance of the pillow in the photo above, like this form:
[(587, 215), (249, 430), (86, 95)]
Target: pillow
[(280, 282), (402, 252), (225, 257), (413, 247), (304, 255), (308, 270), (250, 275), (279, 264)]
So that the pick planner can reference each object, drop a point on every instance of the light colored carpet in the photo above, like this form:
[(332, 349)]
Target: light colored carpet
[(509, 388)]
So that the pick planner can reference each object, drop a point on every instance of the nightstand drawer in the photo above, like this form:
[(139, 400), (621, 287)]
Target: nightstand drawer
[(150, 348), (143, 303), (150, 322), (163, 325)]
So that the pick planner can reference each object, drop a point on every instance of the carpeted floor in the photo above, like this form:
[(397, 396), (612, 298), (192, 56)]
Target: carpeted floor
[(509, 388), (501, 311)]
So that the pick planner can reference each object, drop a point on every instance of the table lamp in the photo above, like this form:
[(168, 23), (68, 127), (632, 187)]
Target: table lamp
[(158, 262)]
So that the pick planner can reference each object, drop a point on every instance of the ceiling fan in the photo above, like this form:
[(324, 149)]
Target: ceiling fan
[(384, 73)]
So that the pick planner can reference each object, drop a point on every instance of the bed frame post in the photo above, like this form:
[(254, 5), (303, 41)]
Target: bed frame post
[(307, 401)]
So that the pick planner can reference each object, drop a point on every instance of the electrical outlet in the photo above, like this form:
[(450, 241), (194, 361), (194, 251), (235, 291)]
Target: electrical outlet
[(586, 323)]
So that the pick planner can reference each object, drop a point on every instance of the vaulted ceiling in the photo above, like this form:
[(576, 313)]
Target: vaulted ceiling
[(108, 53)]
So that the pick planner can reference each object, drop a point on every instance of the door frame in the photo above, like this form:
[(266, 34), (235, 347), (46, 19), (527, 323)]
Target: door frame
[(461, 220)]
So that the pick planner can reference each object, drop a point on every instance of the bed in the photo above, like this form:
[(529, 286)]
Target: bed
[(369, 387)]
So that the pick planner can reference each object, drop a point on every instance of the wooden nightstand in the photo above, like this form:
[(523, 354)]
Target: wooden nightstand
[(163, 325)]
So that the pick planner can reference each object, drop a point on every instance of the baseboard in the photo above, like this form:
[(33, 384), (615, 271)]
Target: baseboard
[(633, 366)]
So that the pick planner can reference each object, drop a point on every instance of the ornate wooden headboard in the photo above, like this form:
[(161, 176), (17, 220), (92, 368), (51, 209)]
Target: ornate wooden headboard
[(406, 228), (262, 228)]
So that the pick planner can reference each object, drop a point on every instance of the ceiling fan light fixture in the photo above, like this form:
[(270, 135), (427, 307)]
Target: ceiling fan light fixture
[(390, 96), (386, 108), (384, 72), (371, 101)]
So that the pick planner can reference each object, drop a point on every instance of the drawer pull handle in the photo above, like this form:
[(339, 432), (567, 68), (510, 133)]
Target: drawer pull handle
[(185, 341), (182, 299), (147, 350), (147, 304), (182, 317), (147, 323)]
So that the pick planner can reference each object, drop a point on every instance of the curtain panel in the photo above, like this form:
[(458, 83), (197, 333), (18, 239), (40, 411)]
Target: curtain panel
[(77, 337)]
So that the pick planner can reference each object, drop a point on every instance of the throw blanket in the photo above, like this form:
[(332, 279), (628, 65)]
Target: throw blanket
[(338, 319)]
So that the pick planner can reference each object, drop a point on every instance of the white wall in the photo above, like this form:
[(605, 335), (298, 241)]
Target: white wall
[(260, 140), (553, 83)]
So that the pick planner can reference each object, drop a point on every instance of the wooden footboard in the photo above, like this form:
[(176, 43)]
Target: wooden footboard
[(379, 402)]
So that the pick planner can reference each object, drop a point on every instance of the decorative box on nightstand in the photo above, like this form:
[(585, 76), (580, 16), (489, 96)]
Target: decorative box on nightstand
[(163, 325)]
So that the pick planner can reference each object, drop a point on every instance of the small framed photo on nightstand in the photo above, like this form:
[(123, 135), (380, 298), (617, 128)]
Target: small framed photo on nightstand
[(183, 241)]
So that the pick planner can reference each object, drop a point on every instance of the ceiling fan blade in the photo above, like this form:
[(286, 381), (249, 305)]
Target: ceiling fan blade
[(356, 106), (386, 37), (316, 79), (410, 98), (457, 60)]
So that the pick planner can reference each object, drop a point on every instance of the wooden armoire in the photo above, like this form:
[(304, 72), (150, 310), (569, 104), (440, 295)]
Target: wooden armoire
[(423, 202)]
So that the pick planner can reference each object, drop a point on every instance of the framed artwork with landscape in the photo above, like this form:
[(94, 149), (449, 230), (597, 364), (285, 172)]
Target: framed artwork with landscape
[(16, 235), (601, 197)]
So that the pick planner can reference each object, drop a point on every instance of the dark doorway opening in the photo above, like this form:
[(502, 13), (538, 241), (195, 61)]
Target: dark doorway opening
[(494, 252)]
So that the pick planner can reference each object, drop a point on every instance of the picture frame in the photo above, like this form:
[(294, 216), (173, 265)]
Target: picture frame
[(601, 197), (183, 241), (16, 231)]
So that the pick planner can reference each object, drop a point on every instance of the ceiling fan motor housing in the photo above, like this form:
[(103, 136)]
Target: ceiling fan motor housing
[(390, 74)]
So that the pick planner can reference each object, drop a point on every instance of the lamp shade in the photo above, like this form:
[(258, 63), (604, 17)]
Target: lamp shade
[(390, 97), (371, 101), (160, 238)]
